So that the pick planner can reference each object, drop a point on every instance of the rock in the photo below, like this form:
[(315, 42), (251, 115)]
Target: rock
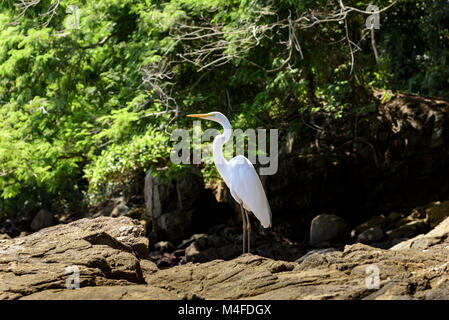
[(42, 219), (104, 250), (394, 216), (375, 221), (327, 228), (423, 241), (167, 260), (401, 232), (201, 239), (137, 213), (170, 204), (318, 251), (14, 227), (407, 230), (371, 235), (148, 267), (437, 211), (192, 253), (394, 220), (163, 246), (106, 207), (336, 275), (34, 267), (185, 243), (130, 292), (4, 236), (226, 243), (120, 210)]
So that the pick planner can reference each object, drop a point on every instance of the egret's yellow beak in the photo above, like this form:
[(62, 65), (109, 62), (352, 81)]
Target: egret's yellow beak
[(200, 115)]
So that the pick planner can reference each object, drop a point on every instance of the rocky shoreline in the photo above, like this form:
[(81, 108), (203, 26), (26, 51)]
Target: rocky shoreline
[(111, 258)]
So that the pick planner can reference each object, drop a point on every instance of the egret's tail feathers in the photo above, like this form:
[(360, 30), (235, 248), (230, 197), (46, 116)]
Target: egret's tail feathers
[(265, 219), (266, 225)]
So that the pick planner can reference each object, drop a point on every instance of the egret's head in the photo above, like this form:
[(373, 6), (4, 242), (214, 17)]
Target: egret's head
[(214, 116)]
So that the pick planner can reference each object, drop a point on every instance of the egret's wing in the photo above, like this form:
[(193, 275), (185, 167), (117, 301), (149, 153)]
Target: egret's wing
[(245, 184)]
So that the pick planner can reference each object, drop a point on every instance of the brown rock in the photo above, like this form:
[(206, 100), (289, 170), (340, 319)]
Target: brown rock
[(131, 292), (437, 211), (340, 275), (34, 267), (408, 230), (42, 219), (104, 250), (423, 241)]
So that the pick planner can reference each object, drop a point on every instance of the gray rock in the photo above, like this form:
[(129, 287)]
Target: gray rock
[(201, 239), (105, 208), (371, 235), (163, 246), (42, 219), (317, 251), (374, 221), (407, 230), (170, 204), (394, 216), (327, 228), (120, 210)]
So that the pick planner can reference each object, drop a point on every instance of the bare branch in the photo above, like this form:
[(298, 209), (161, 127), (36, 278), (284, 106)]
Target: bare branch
[(24, 5)]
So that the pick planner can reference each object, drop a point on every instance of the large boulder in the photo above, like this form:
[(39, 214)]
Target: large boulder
[(42, 219), (104, 251), (170, 204), (326, 229)]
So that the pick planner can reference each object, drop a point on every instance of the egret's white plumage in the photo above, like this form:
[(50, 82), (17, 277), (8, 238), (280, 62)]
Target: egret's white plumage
[(240, 177), (247, 189)]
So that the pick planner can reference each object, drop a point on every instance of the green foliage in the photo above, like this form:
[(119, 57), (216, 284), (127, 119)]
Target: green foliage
[(415, 39), (119, 162)]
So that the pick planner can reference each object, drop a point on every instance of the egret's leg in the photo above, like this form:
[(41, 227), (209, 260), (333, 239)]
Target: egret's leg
[(248, 228), (244, 228)]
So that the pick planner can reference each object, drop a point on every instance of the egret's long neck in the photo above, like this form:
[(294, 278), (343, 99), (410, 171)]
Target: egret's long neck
[(219, 141)]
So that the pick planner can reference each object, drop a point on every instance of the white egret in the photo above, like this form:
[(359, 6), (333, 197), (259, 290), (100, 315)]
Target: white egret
[(240, 177)]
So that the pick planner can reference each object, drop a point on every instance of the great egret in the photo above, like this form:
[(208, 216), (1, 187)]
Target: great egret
[(240, 177)]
